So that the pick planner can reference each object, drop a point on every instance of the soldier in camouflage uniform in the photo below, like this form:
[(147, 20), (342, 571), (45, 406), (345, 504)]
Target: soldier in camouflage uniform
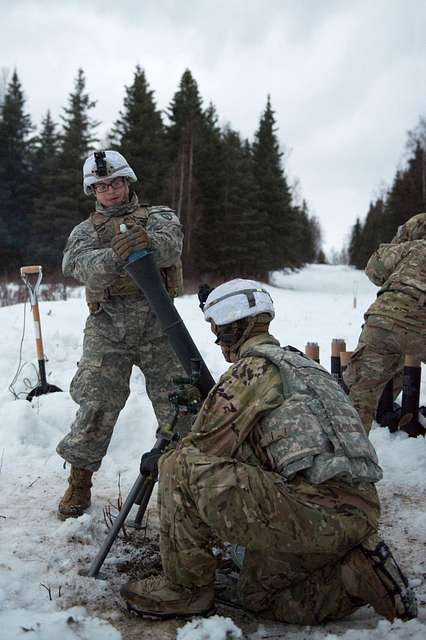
[(121, 330), (277, 461), (395, 324)]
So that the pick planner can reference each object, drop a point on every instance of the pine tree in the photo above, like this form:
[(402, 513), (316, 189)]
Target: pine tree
[(274, 198), (405, 198), (139, 134), (407, 195), (44, 248), (186, 117), (209, 174), (306, 239), (372, 232), (15, 176), (355, 245), (77, 140), (321, 259), (241, 235)]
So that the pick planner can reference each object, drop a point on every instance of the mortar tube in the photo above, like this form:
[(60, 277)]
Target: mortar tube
[(345, 356), (337, 346), (143, 270), (312, 351), (388, 413)]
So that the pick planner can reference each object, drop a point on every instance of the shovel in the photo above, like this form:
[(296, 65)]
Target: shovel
[(43, 387)]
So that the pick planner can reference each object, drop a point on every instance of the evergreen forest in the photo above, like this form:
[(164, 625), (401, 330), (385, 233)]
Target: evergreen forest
[(239, 213), (403, 199)]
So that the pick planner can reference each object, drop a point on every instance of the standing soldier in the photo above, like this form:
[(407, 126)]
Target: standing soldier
[(395, 324), (277, 461), (121, 330)]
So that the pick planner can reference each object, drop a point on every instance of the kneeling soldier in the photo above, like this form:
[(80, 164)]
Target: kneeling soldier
[(277, 461)]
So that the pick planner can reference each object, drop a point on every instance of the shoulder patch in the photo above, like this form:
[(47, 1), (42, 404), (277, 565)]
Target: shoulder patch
[(163, 210)]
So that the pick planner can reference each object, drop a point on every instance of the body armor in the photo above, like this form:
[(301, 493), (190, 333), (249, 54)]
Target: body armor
[(316, 430), (107, 228)]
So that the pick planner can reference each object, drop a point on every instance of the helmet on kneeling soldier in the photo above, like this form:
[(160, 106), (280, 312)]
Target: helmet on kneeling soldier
[(238, 310)]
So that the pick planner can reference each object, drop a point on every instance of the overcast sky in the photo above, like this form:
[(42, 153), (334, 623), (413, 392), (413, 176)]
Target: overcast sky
[(346, 77)]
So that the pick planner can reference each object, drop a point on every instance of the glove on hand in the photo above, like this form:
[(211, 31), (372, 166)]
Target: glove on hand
[(149, 461), (134, 239)]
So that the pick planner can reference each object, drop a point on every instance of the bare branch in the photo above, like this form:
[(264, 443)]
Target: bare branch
[(48, 589)]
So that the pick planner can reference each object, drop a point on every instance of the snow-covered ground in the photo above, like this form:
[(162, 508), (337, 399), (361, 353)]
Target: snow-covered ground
[(42, 593)]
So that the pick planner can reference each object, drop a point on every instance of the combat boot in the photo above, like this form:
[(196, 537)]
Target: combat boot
[(77, 497), (370, 573), (157, 597)]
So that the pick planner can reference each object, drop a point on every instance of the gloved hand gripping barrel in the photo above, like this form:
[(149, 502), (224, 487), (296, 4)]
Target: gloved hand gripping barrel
[(142, 268)]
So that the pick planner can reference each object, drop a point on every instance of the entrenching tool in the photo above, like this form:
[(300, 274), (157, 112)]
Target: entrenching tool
[(144, 272), (44, 386)]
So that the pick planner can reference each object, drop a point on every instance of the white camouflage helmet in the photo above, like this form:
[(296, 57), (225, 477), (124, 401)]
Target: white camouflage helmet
[(111, 164), (235, 300)]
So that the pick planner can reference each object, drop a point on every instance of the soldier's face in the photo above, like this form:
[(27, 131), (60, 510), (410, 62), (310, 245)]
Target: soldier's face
[(230, 356), (116, 193)]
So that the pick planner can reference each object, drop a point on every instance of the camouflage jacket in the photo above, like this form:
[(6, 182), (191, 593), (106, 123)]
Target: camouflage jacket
[(399, 269), (98, 267), (226, 424), (283, 411)]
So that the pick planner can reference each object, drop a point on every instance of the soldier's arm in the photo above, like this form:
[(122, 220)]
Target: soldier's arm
[(384, 261), (165, 236), (248, 390), (86, 262)]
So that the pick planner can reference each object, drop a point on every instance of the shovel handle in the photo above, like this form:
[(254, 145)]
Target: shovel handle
[(31, 269), (32, 288), (37, 331)]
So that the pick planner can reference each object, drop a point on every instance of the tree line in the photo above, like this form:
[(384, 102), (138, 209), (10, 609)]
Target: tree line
[(405, 198), (239, 214)]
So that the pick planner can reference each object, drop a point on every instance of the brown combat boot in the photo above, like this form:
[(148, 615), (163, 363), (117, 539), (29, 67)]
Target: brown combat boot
[(370, 573), (157, 597), (77, 497)]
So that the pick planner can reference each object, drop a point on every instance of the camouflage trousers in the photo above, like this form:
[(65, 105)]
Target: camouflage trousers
[(378, 358), (296, 534), (120, 335)]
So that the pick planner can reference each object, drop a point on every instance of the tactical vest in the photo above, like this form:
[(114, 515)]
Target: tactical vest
[(316, 430), (124, 285)]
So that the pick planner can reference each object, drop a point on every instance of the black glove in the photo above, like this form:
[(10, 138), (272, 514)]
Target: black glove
[(149, 461)]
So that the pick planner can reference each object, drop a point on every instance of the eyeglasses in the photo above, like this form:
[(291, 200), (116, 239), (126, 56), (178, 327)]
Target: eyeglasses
[(102, 187)]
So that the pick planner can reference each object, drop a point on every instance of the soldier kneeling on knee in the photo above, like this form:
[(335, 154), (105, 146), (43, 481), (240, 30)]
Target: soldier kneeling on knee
[(277, 461)]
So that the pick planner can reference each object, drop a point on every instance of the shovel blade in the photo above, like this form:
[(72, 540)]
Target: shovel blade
[(40, 390)]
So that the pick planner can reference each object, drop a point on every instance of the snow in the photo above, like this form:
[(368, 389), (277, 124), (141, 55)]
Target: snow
[(43, 593), (214, 628)]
